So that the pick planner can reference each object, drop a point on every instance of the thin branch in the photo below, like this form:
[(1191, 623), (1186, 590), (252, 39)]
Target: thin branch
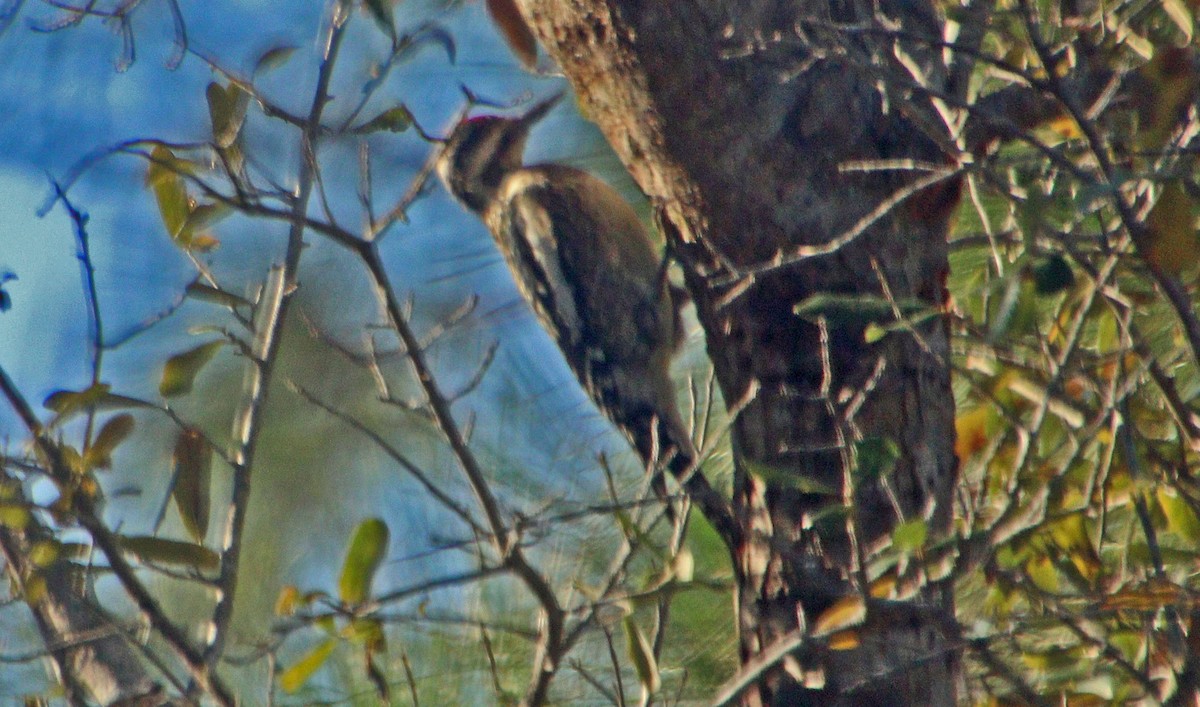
[(109, 544), (266, 348)]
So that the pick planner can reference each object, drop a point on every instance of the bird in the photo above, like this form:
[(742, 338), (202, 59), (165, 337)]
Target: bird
[(589, 269)]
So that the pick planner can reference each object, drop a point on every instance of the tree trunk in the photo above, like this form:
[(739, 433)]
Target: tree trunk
[(791, 151)]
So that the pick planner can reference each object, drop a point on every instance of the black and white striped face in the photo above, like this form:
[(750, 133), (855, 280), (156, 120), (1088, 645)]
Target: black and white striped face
[(478, 154), (481, 151)]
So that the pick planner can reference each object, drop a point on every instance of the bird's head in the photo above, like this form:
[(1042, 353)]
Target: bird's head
[(482, 150)]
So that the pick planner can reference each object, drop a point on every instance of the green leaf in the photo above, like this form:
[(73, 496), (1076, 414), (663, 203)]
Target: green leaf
[(204, 215), (227, 111), (180, 370), (99, 455), (273, 58), (191, 481), (876, 456), (170, 192), (910, 535), (165, 165), (294, 677), (642, 655), (366, 552), (874, 333), (394, 120), (14, 514), (1041, 570), (174, 552), (44, 553), (68, 402), (1181, 517)]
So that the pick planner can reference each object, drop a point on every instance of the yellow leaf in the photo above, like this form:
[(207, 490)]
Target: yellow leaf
[(1065, 126), (294, 677), (844, 641), (971, 429), (844, 613), (226, 111), (287, 601), (367, 550), (883, 588), (1041, 570)]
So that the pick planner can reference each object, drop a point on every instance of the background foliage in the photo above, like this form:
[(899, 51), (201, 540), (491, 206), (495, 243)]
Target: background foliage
[(368, 564)]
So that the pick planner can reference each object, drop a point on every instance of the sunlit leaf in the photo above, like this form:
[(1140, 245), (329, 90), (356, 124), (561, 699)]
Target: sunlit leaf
[(14, 515), (843, 613), (65, 402), (683, 565), (972, 431), (273, 58), (394, 120), (173, 552), (165, 165), (170, 192), (192, 472), (204, 215), (288, 600), (227, 111), (180, 370), (35, 588), (642, 655), (1040, 569), (844, 641), (1070, 534), (294, 677), (114, 431), (202, 243), (44, 553), (367, 550), (1052, 660), (1181, 517), (910, 535), (516, 33)]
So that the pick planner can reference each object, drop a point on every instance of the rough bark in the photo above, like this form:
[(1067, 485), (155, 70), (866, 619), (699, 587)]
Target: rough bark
[(738, 119)]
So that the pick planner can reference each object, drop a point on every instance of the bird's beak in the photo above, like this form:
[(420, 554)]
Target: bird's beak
[(539, 110)]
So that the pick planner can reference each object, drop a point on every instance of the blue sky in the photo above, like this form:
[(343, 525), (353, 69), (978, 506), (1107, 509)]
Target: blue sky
[(62, 99)]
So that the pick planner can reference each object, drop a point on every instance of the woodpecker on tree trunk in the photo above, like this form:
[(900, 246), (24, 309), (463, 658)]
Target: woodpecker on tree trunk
[(585, 263)]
